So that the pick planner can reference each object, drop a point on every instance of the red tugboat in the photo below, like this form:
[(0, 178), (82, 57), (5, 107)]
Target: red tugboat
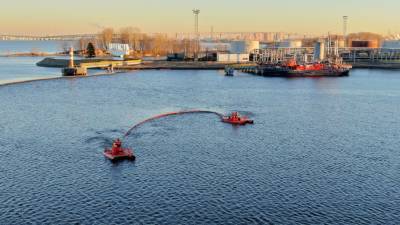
[(284, 62), (291, 68), (117, 152), (236, 119)]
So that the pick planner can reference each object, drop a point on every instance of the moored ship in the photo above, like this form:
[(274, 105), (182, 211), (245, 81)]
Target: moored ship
[(291, 68), (303, 62)]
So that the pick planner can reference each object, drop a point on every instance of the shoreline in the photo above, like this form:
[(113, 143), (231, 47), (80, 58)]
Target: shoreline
[(32, 54)]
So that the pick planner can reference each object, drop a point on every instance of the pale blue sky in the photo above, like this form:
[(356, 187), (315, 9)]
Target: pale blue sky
[(302, 16)]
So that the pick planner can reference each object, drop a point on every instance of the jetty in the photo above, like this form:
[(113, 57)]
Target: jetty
[(97, 63), (134, 64)]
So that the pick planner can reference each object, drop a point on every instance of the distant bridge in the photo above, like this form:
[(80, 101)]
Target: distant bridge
[(73, 37)]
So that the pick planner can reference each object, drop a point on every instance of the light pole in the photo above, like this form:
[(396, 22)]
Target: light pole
[(196, 13), (345, 19)]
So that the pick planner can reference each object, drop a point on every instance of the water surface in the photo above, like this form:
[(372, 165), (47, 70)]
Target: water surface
[(8, 47), (321, 151)]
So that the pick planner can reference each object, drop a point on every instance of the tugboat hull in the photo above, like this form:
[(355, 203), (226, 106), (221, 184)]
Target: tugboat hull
[(124, 154), (284, 72), (242, 121)]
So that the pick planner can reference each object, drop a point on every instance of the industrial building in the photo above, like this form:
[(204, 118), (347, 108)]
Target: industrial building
[(118, 49), (239, 51), (233, 57)]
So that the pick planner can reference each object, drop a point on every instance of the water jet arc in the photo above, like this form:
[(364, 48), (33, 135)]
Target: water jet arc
[(170, 114)]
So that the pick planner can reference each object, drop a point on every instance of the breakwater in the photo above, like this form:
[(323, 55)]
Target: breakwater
[(87, 63), (134, 64)]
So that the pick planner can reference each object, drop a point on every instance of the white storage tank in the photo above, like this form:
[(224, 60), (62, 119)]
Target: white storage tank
[(244, 46), (341, 44), (290, 44)]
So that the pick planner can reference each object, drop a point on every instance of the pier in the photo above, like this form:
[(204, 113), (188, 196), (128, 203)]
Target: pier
[(135, 64), (87, 63)]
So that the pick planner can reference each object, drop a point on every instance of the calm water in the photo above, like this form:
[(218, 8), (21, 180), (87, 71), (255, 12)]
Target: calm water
[(7, 47), (24, 68), (14, 69), (321, 151)]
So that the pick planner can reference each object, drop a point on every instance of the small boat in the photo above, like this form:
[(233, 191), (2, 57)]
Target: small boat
[(236, 119), (117, 152), (229, 71)]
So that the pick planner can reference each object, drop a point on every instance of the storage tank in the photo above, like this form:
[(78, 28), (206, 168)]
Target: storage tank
[(341, 44), (238, 47), (291, 44), (319, 51), (364, 44), (391, 44)]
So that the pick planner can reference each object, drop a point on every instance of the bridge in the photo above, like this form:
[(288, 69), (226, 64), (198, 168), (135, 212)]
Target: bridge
[(72, 37)]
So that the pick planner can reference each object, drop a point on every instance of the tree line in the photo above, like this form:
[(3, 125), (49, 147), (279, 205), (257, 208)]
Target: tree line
[(141, 44)]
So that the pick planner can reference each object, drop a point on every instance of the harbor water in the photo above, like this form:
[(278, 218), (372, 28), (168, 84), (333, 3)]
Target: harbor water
[(16, 69), (321, 151)]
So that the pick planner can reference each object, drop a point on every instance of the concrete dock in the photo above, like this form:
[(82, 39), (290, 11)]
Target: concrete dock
[(167, 65), (87, 63)]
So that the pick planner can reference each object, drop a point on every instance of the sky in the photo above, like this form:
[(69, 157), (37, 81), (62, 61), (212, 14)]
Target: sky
[(47, 17)]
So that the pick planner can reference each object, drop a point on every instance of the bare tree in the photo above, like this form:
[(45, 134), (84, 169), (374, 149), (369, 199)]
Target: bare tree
[(131, 36), (82, 44), (144, 44), (106, 36), (65, 46), (161, 45)]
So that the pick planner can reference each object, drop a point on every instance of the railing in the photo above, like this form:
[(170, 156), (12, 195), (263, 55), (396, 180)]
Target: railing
[(274, 55)]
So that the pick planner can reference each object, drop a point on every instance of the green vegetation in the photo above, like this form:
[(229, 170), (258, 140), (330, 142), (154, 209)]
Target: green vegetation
[(90, 50)]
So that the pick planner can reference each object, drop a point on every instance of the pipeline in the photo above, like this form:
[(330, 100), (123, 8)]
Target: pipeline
[(170, 114)]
